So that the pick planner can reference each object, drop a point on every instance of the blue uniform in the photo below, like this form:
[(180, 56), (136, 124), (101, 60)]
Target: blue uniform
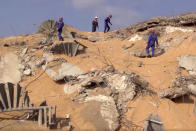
[(60, 29), (106, 24), (151, 43)]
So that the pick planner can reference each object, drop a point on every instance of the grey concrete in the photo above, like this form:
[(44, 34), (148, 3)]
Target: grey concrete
[(17, 90), (40, 117), (108, 110), (9, 69), (188, 62), (45, 117), (8, 96), (194, 110), (66, 70)]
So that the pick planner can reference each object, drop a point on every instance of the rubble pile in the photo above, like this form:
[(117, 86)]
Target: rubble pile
[(110, 88), (186, 20)]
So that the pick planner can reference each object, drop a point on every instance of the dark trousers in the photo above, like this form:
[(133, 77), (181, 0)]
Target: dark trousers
[(59, 35), (93, 28), (106, 28), (150, 46)]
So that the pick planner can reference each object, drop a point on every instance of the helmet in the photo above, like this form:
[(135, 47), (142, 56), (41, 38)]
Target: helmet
[(96, 17), (61, 19), (152, 31), (110, 15)]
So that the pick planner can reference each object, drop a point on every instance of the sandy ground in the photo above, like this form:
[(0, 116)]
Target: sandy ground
[(159, 71)]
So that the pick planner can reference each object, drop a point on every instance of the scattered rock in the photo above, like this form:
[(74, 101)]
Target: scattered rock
[(95, 39), (139, 64), (27, 72), (127, 47), (39, 64), (81, 36), (85, 56), (48, 57)]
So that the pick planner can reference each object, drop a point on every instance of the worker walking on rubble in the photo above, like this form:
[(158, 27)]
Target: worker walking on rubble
[(151, 43), (95, 24), (60, 28), (106, 24)]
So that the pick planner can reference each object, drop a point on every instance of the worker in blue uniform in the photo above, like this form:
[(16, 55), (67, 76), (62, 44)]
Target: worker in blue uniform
[(60, 28), (106, 24), (151, 42)]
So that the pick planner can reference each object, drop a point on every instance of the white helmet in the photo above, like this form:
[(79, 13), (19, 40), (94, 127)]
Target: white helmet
[(96, 17)]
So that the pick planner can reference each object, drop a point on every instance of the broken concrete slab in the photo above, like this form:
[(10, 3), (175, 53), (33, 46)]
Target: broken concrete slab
[(8, 64), (24, 51), (69, 47), (108, 110), (188, 62), (182, 85), (171, 29), (48, 57), (66, 70)]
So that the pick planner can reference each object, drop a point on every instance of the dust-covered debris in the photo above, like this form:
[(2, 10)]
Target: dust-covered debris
[(107, 109), (135, 38), (153, 123), (66, 71), (188, 62), (114, 90), (181, 86), (27, 72), (127, 47), (95, 38), (170, 29), (69, 48), (10, 66)]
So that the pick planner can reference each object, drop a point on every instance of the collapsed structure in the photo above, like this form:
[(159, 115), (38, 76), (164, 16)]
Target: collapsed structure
[(99, 85)]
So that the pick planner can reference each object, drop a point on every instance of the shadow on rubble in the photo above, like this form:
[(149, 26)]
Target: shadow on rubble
[(183, 99), (143, 54)]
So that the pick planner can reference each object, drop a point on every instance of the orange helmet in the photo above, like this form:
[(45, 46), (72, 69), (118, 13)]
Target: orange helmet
[(152, 31)]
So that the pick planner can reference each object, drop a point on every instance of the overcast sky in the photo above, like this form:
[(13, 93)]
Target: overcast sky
[(24, 16)]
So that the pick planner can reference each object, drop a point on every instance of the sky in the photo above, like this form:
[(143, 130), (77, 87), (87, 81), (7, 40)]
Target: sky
[(24, 16)]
